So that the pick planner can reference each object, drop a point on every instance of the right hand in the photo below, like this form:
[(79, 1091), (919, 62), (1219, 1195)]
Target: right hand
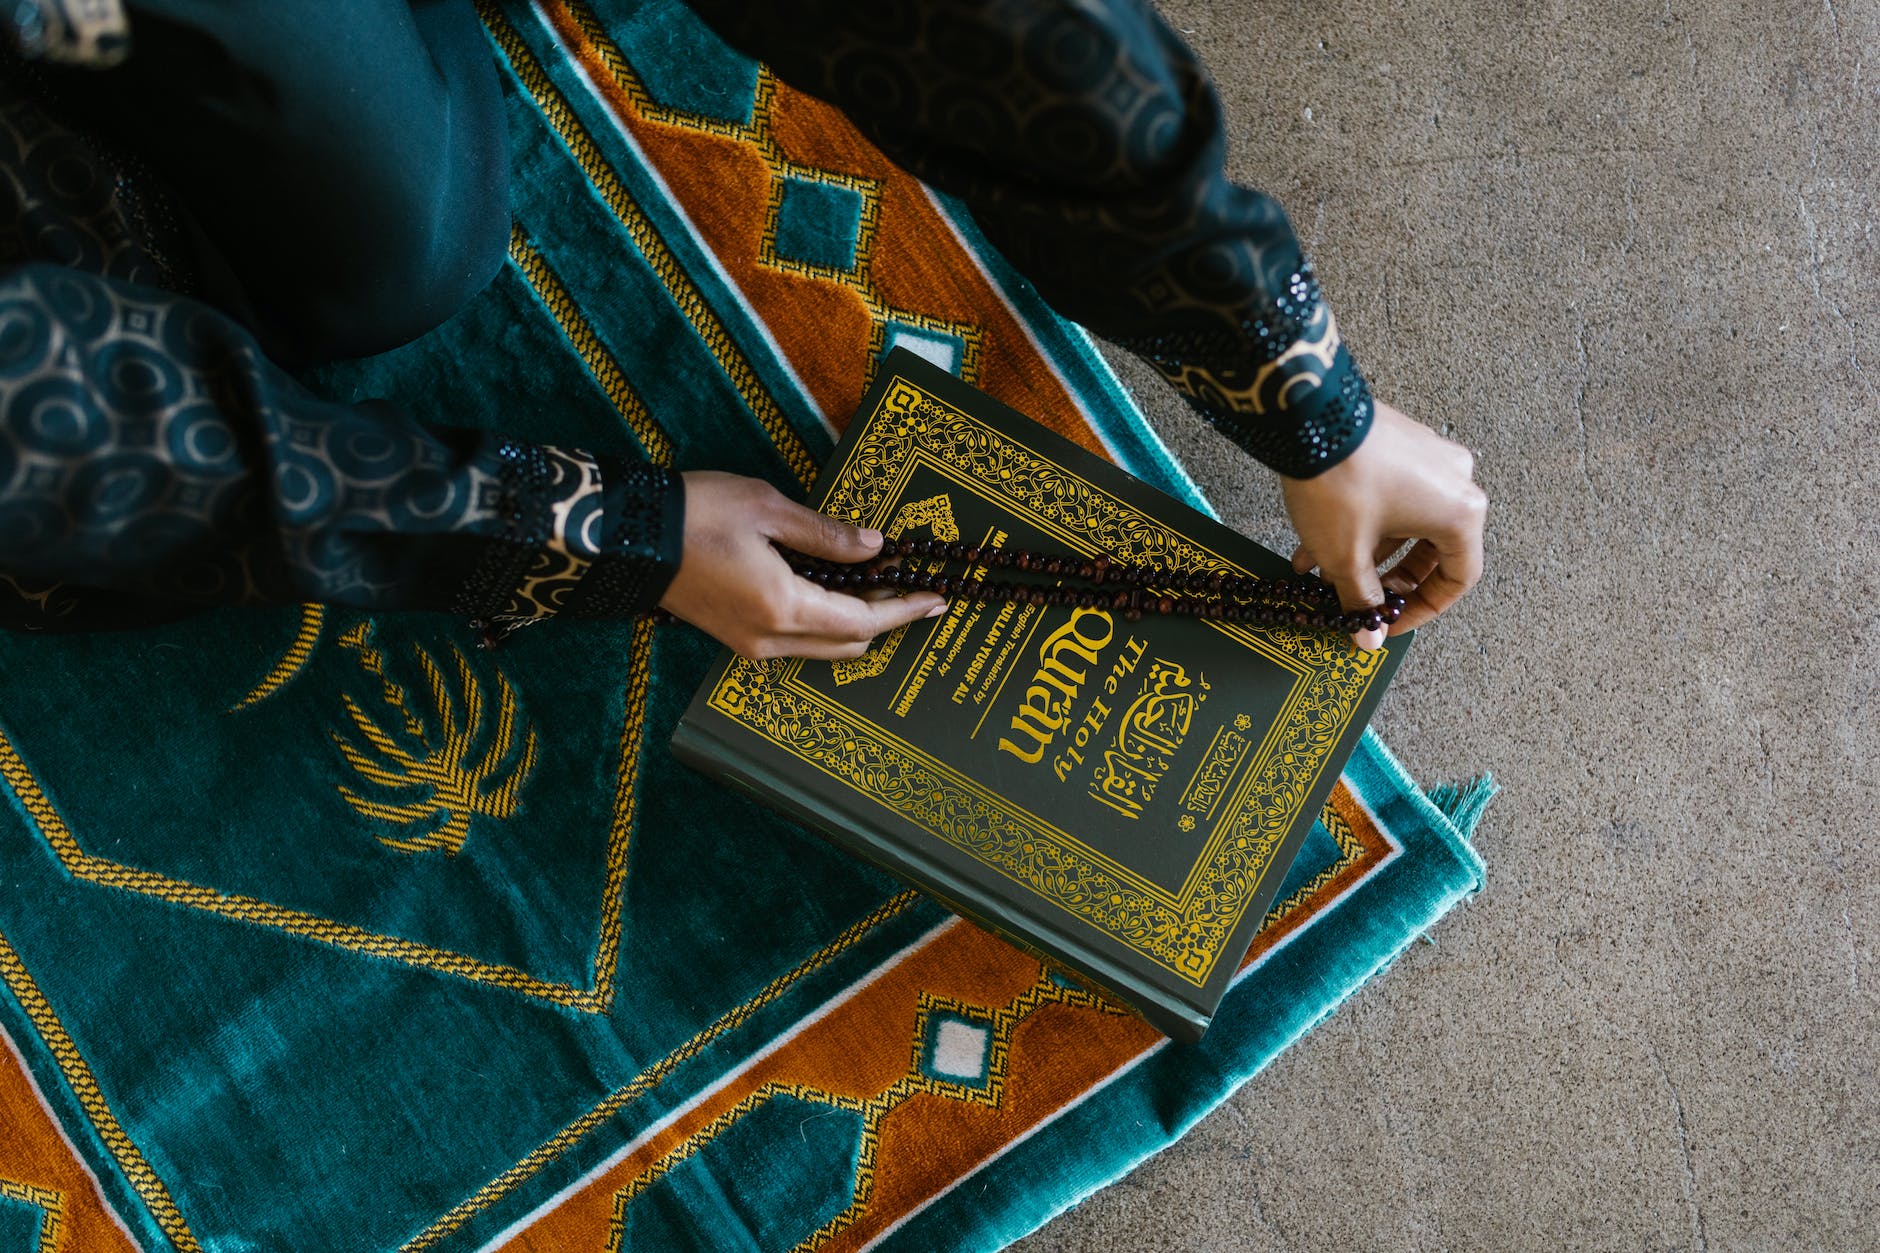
[(736, 587), (1403, 484)]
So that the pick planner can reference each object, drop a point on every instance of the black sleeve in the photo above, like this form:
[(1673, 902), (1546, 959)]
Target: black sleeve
[(1088, 142), (146, 446)]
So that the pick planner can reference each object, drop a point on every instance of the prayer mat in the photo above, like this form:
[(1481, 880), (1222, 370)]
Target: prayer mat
[(323, 930)]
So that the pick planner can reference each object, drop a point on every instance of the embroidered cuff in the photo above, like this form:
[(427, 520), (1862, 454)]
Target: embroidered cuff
[(582, 536), (1285, 388), (642, 542)]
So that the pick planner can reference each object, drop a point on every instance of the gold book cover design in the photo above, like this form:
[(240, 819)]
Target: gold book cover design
[(1122, 798)]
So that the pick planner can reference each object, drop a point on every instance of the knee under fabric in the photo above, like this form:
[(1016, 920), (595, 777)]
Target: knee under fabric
[(344, 165)]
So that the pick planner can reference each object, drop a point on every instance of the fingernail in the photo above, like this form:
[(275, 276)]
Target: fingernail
[(871, 538), (937, 610)]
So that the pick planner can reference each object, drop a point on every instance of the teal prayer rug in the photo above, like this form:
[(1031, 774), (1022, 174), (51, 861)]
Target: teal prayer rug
[(326, 930)]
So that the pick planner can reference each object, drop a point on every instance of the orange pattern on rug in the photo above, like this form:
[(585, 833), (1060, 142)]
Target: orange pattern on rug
[(873, 1056), (728, 178), (38, 1168)]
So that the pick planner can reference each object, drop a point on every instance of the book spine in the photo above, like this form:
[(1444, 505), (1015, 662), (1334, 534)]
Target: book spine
[(711, 757)]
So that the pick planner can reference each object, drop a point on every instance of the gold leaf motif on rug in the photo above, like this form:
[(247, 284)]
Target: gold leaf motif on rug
[(459, 768)]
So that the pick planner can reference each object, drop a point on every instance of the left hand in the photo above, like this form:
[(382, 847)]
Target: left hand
[(733, 583)]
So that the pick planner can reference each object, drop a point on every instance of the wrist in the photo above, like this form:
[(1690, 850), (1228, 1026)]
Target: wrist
[(1285, 387), (642, 536)]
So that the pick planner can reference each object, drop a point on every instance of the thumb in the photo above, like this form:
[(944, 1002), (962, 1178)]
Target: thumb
[(1358, 588), (818, 535)]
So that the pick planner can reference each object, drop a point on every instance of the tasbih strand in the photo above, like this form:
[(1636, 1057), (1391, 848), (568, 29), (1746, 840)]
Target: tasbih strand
[(1128, 590)]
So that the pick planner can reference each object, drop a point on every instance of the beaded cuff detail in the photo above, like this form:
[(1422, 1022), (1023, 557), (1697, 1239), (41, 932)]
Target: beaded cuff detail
[(570, 541), (583, 537), (646, 507), (1285, 387), (521, 508)]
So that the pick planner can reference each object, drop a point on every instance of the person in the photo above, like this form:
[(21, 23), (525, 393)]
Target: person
[(198, 198)]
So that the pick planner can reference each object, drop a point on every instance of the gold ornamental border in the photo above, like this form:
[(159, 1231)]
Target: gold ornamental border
[(920, 459), (1185, 935)]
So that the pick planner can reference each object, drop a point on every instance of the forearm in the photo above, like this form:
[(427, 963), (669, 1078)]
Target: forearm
[(1088, 143), (147, 447)]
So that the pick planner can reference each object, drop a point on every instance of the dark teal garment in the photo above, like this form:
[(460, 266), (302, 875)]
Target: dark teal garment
[(341, 166), (153, 459), (294, 182)]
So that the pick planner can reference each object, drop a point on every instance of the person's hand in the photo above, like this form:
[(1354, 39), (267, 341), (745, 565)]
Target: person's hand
[(1404, 483), (734, 586)]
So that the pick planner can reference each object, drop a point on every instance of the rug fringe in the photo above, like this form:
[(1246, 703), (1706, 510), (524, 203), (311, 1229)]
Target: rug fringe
[(1463, 803)]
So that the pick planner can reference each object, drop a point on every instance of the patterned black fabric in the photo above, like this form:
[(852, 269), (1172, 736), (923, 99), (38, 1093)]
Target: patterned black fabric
[(146, 446), (61, 200), (344, 163), (153, 459), (1088, 142), (149, 447)]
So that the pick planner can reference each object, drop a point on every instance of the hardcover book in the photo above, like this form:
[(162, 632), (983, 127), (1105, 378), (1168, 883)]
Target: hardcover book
[(1122, 798)]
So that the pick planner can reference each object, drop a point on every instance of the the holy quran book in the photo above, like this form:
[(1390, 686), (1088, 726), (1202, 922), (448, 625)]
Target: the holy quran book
[(1122, 798)]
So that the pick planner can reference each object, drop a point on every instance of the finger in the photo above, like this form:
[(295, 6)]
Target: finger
[(818, 535), (1413, 569), (1386, 549), (816, 648), (1302, 560), (1436, 593), (1358, 588), (823, 614), (1458, 565)]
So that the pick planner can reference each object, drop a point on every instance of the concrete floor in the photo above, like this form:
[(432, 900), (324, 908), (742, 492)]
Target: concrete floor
[(1625, 252)]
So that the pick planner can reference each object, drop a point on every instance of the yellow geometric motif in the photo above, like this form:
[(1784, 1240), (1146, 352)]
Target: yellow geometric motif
[(594, 999), (758, 133), (655, 1074), (936, 513), (874, 1111), (1350, 848), (51, 1206), (84, 1086), (654, 442), (452, 787), (598, 999), (685, 293)]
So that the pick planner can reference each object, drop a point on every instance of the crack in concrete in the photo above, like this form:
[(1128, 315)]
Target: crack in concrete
[(1518, 153), (1259, 1212), (1690, 46), (1769, 767), (1253, 1186), (1631, 218), (1700, 1241)]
